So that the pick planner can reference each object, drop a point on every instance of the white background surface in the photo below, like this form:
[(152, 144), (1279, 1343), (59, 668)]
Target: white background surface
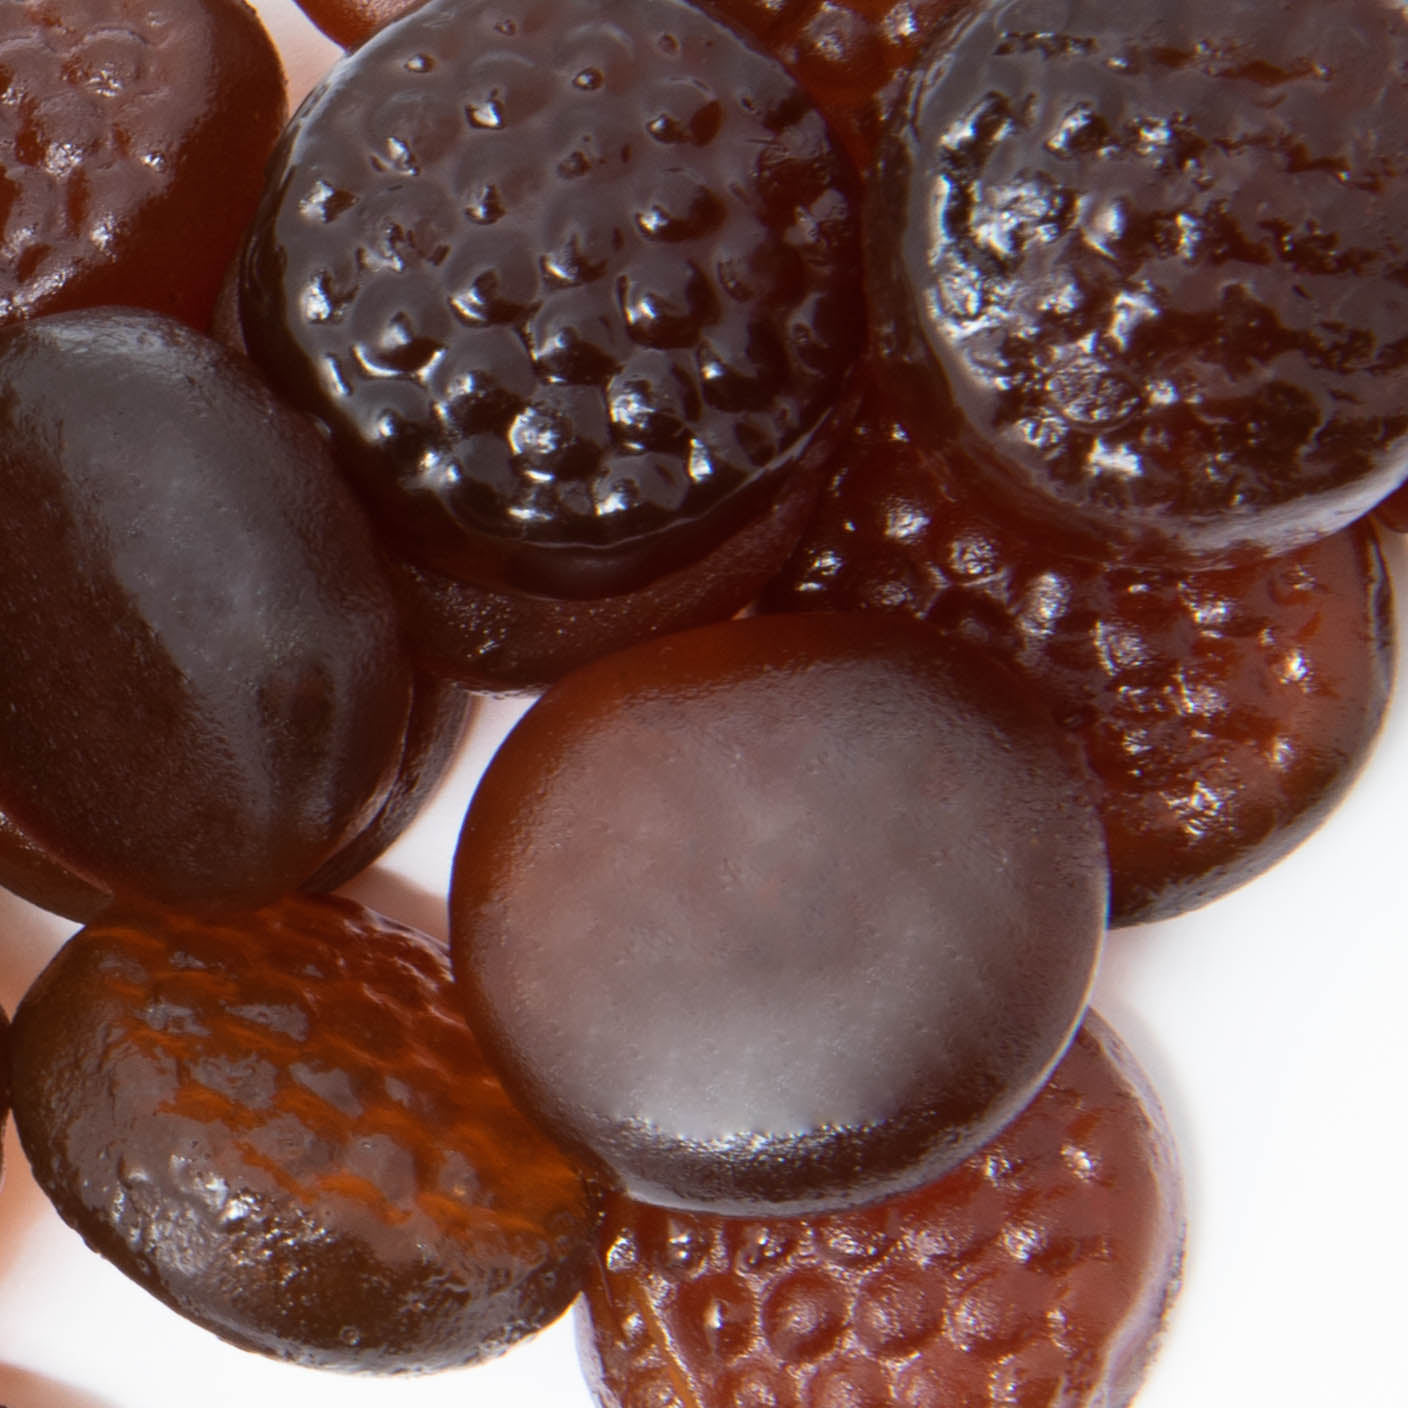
[(1271, 1022)]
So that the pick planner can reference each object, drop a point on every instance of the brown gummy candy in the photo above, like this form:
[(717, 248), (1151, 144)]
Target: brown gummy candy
[(133, 139), (505, 640), (1141, 266), (207, 692), (1224, 713), (573, 285), (436, 725), (282, 1128), (353, 22), (852, 56), (1039, 1272), (787, 912)]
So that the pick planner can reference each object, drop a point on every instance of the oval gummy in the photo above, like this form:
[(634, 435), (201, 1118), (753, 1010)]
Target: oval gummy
[(207, 692)]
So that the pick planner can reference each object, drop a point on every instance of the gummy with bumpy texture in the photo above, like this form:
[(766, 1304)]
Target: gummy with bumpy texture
[(1143, 266), (282, 1128), (1224, 713), (1037, 1273), (133, 138), (573, 284), (852, 56), (206, 692), (787, 912)]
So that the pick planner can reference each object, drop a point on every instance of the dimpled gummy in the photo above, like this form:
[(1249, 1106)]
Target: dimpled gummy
[(282, 1128), (1143, 266), (573, 284), (133, 139), (852, 56), (1224, 713), (206, 693), (1038, 1274), (784, 913)]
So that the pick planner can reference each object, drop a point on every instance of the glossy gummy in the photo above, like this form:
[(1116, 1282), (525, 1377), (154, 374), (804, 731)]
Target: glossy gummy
[(1037, 1274), (574, 285), (782, 913), (1141, 266), (282, 1128), (133, 138), (207, 693)]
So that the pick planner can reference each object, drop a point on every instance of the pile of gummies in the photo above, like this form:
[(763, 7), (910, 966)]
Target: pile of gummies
[(927, 459)]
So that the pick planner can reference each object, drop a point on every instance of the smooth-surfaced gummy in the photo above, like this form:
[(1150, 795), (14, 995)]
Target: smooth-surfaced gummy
[(787, 913), (206, 691)]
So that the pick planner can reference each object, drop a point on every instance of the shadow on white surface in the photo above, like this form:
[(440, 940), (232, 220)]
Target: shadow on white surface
[(21, 1389)]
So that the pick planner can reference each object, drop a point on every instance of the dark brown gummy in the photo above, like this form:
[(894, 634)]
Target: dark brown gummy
[(573, 284), (133, 139), (440, 715), (1037, 1273), (1224, 713), (504, 640), (1143, 266), (283, 1129), (852, 56), (788, 912), (206, 692), (438, 718)]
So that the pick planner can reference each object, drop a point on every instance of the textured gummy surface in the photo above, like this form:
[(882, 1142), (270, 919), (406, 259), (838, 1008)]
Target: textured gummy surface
[(852, 56), (574, 284), (1223, 712), (1146, 263), (1037, 1275), (283, 1129), (133, 139)]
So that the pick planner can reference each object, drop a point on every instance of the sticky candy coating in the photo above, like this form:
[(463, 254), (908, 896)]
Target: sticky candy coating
[(133, 138), (1040, 1271), (573, 284), (784, 913), (208, 691), (1142, 266), (1224, 713), (283, 1129)]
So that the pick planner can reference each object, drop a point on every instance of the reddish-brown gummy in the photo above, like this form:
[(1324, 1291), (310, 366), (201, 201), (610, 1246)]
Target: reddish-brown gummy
[(1038, 1273), (207, 692), (573, 284), (283, 1129), (1224, 712), (784, 913), (133, 138)]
